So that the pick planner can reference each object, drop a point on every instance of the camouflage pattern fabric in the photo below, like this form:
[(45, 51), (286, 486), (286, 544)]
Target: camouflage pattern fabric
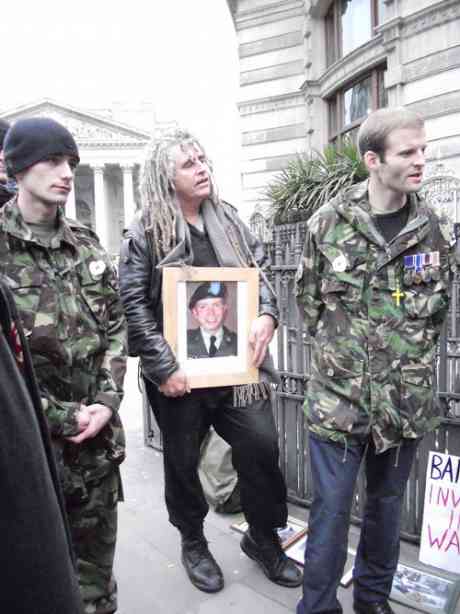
[(374, 320), (67, 297), (92, 516)]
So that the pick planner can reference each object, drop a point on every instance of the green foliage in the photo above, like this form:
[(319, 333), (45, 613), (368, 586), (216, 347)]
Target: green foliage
[(310, 181)]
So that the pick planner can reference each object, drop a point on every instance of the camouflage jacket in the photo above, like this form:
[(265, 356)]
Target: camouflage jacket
[(67, 297), (374, 311)]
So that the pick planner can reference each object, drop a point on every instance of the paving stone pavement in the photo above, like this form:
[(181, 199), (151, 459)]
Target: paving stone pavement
[(150, 576)]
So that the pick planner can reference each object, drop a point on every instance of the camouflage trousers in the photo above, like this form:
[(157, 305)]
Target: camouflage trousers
[(93, 524)]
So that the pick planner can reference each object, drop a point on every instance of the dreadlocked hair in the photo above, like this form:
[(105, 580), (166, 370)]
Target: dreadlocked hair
[(158, 194)]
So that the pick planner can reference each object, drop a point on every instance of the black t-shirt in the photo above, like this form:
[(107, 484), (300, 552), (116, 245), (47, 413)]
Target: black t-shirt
[(203, 251), (390, 224)]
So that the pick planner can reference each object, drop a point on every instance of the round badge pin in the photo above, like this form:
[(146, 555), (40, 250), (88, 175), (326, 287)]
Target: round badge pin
[(96, 267), (340, 264)]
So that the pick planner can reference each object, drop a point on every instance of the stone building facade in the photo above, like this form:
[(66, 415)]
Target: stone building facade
[(311, 70), (105, 194)]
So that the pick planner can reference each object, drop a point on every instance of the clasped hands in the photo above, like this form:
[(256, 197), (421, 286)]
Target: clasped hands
[(91, 419)]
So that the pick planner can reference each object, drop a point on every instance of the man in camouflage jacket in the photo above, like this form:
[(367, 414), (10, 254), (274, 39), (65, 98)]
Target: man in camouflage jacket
[(373, 285), (65, 288)]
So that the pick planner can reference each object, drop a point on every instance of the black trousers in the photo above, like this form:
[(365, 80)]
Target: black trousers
[(251, 433)]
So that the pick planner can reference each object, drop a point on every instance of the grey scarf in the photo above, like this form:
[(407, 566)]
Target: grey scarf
[(231, 250)]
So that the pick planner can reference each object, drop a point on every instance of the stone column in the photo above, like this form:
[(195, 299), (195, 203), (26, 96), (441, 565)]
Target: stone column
[(129, 206), (70, 206), (100, 213)]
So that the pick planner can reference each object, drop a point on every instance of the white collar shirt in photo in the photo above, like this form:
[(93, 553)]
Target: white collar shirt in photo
[(207, 338)]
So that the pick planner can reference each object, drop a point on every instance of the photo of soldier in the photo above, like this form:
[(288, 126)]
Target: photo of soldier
[(209, 307)]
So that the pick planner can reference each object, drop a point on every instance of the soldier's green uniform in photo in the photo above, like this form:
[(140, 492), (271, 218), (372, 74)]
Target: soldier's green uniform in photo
[(66, 290)]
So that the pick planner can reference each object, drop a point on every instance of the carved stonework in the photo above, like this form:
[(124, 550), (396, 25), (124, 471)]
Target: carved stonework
[(279, 71), (269, 13), (294, 131), (391, 31), (442, 12), (441, 189), (83, 131), (367, 55), (271, 104), (88, 131), (444, 104), (439, 169), (274, 43)]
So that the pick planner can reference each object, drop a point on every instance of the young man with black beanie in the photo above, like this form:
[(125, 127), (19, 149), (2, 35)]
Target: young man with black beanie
[(5, 193), (66, 292)]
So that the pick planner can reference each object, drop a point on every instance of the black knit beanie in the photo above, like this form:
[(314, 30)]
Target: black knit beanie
[(4, 125), (31, 140)]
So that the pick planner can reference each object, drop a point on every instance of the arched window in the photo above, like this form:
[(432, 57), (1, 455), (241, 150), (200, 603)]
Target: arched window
[(349, 24), (349, 106)]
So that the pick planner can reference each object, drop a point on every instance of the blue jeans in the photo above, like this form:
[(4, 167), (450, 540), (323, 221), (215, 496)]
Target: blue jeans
[(334, 471)]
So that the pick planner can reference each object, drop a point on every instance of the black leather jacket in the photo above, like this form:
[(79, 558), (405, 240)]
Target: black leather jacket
[(140, 287)]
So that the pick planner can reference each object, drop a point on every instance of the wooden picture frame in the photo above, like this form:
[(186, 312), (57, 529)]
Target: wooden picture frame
[(242, 300)]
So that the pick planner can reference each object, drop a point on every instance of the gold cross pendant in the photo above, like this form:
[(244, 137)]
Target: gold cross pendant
[(398, 295)]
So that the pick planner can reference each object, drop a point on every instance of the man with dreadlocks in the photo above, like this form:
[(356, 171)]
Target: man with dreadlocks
[(183, 222)]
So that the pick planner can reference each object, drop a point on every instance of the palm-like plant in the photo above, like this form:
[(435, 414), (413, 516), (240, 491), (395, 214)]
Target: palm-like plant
[(311, 180)]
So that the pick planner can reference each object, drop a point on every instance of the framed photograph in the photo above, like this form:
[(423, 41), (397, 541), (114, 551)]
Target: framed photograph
[(291, 533), (207, 315), (425, 591)]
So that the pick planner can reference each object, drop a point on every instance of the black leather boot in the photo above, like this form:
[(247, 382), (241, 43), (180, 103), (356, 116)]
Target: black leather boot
[(200, 565), (264, 547), (373, 607)]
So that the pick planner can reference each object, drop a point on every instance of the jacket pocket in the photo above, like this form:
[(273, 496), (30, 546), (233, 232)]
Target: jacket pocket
[(342, 375), (343, 277), (93, 297), (27, 290), (416, 398), (335, 291), (426, 300)]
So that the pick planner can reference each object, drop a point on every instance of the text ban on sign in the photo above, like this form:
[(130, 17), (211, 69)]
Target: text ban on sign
[(440, 539)]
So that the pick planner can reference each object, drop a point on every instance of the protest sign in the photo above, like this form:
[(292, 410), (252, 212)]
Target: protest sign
[(440, 538)]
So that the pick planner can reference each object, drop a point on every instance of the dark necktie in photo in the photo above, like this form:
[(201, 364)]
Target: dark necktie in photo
[(212, 346)]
